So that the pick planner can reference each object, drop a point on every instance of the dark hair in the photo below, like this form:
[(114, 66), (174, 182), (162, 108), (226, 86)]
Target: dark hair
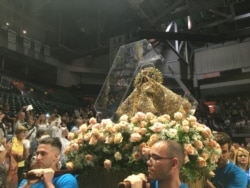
[(53, 141), (223, 138), (174, 149), (40, 132)]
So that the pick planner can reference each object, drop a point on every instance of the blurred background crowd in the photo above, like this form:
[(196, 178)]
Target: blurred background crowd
[(30, 111)]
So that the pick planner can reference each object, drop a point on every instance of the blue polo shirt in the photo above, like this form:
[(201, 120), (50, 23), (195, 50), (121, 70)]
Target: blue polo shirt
[(154, 184), (62, 181), (229, 176)]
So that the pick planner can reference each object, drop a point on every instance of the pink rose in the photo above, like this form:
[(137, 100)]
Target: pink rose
[(149, 116), (124, 125), (80, 139), (136, 156), (95, 132), (93, 140), (185, 128), (135, 137), (136, 129), (101, 137), (164, 118), (185, 122), (124, 118), (67, 149), (192, 118), (146, 150), (212, 143), (109, 128), (106, 122), (71, 136), (206, 132), (201, 162), (172, 123), (142, 131), (107, 164), (117, 127), (75, 146), (205, 155), (70, 165), (92, 121), (157, 127), (198, 144), (153, 138), (89, 157), (143, 124), (178, 116), (140, 116), (109, 139), (190, 150), (118, 138), (87, 136), (83, 128)]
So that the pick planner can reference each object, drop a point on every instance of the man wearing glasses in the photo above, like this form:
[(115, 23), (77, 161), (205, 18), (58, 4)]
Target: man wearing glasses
[(164, 164)]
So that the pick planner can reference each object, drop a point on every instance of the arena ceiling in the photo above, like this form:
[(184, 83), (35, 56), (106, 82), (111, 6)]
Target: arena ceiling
[(79, 28)]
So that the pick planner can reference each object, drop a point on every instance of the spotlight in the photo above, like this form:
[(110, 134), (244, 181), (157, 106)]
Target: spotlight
[(189, 22)]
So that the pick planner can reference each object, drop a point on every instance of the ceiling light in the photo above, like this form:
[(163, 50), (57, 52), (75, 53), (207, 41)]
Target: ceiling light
[(7, 23), (189, 22), (24, 31)]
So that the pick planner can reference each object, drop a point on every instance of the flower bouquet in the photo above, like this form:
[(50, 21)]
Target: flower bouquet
[(126, 144)]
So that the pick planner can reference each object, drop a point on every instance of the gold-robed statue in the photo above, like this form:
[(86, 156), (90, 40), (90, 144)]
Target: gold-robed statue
[(149, 95)]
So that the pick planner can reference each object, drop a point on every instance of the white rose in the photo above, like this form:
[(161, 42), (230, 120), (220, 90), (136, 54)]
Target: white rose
[(171, 133)]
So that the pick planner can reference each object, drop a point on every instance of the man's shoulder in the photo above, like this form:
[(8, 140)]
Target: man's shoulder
[(66, 176), (65, 180), (183, 185), (234, 168), (238, 174)]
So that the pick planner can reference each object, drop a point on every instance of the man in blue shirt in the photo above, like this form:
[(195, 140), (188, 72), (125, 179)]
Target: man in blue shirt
[(47, 159), (166, 159), (227, 174)]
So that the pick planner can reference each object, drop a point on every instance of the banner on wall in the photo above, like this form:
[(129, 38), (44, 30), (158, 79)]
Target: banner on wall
[(37, 46), (12, 39), (26, 45), (27, 42)]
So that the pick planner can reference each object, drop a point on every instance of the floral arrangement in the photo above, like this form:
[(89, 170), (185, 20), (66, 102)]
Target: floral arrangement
[(126, 144)]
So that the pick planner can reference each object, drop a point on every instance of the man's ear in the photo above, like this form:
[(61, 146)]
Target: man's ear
[(57, 155), (175, 163)]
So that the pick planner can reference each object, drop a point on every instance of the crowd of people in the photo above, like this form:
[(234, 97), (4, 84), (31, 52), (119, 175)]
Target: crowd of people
[(21, 137), (226, 113), (29, 141)]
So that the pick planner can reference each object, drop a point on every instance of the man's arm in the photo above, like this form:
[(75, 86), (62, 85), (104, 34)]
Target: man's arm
[(45, 175)]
